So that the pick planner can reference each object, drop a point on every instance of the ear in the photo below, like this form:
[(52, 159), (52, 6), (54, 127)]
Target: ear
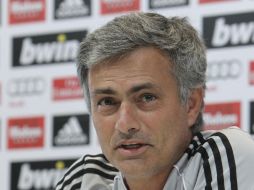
[(194, 105)]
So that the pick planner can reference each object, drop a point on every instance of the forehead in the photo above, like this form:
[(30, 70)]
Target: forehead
[(143, 65), (139, 56)]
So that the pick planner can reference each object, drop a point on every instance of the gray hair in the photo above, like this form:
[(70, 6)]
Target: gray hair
[(174, 36)]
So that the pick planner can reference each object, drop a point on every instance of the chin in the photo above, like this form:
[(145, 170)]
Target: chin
[(132, 168)]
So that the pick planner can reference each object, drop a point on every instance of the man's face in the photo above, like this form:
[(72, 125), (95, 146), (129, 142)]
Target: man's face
[(142, 127)]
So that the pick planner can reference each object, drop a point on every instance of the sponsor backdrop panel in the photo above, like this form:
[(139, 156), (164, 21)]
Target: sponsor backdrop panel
[(252, 117), (68, 9), (26, 11), (42, 174), (44, 122)]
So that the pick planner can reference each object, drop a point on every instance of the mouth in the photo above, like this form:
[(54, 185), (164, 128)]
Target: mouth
[(132, 149), (131, 146)]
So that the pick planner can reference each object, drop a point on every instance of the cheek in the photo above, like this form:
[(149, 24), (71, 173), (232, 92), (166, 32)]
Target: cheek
[(166, 136), (158, 125), (104, 130), (168, 127)]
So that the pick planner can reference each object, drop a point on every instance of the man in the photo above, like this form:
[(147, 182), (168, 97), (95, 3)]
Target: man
[(144, 80)]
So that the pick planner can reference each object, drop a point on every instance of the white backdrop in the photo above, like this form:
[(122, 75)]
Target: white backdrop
[(44, 124)]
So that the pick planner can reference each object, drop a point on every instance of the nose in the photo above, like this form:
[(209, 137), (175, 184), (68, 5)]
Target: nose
[(127, 121)]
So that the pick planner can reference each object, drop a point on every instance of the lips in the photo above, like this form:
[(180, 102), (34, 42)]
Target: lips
[(132, 149), (131, 146)]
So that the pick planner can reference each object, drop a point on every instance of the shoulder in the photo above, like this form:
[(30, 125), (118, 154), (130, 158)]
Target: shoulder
[(234, 141), (227, 157), (94, 168)]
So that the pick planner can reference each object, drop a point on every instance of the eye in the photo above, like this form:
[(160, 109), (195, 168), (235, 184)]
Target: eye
[(148, 98), (108, 101)]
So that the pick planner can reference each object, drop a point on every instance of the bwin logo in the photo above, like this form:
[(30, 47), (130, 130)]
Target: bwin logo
[(38, 175), (242, 33), (46, 49), (229, 31), (48, 52), (39, 178)]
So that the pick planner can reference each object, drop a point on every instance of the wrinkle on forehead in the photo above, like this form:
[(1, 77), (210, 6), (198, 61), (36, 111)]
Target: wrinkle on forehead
[(133, 66), (115, 60)]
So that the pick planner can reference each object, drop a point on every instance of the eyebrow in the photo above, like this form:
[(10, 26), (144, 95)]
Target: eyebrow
[(107, 90), (140, 87), (132, 90)]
